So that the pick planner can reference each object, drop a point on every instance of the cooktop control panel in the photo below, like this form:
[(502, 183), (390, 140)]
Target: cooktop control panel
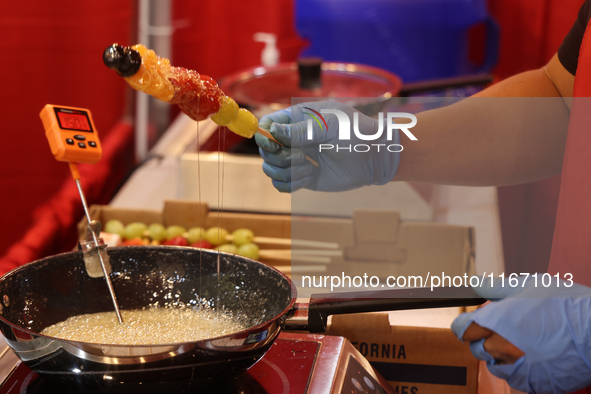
[(359, 381)]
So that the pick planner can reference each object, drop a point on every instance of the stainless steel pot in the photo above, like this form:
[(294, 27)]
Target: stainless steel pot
[(267, 89)]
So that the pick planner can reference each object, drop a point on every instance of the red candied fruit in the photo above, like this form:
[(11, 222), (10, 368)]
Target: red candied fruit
[(177, 241), (197, 96), (203, 244)]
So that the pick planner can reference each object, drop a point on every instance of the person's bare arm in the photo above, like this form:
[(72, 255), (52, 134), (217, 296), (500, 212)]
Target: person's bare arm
[(512, 132), (483, 141), (563, 80)]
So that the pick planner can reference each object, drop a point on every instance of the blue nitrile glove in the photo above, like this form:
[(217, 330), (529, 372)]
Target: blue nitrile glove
[(338, 170), (552, 326)]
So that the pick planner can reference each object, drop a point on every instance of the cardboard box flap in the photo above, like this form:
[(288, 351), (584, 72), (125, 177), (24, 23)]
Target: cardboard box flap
[(337, 230), (376, 251), (185, 213), (435, 247), (346, 325), (376, 225)]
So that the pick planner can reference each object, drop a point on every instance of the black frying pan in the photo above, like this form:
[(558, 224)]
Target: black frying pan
[(50, 290)]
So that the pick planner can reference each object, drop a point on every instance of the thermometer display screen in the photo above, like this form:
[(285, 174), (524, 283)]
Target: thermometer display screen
[(73, 120)]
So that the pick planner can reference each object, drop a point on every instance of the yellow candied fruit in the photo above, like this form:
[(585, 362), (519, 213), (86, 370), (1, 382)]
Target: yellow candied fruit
[(245, 124), (227, 113), (152, 78)]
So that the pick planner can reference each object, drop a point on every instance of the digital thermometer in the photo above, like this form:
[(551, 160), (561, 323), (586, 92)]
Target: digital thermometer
[(71, 134), (73, 138)]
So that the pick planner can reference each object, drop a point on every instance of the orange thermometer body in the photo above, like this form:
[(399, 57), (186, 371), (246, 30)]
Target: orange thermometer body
[(71, 134)]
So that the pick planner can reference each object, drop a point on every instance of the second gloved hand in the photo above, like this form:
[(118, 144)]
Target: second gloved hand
[(549, 327), (342, 164)]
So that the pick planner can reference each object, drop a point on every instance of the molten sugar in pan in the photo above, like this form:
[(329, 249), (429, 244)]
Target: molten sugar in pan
[(150, 326)]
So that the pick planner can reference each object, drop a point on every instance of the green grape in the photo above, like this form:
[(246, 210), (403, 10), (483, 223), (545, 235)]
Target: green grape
[(115, 226), (157, 231), (228, 248), (242, 236), (196, 234), (249, 250), (175, 231), (216, 236), (134, 230)]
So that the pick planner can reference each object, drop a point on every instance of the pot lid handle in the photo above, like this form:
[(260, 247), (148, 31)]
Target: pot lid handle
[(310, 71)]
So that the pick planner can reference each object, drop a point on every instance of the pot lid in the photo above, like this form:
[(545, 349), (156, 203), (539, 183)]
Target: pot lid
[(310, 78)]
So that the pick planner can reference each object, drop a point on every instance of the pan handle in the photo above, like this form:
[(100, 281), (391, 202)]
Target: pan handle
[(323, 305)]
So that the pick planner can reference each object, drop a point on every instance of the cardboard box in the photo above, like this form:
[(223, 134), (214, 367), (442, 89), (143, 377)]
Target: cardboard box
[(191, 214), (414, 360), (372, 241)]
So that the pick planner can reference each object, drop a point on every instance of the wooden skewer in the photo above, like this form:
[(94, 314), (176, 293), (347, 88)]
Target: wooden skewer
[(314, 244), (288, 269), (270, 136), (272, 241), (329, 253), (291, 242), (286, 255)]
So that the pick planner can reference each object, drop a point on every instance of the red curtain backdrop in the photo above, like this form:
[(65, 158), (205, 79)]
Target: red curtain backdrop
[(51, 53), (531, 31)]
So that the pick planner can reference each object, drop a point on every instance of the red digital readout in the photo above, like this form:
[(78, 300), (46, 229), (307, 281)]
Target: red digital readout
[(73, 121)]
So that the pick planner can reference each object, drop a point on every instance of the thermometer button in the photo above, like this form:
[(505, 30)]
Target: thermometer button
[(80, 137), (69, 141), (82, 144), (92, 144)]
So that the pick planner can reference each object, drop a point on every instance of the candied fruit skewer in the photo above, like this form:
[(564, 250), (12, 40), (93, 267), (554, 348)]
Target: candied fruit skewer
[(197, 95)]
